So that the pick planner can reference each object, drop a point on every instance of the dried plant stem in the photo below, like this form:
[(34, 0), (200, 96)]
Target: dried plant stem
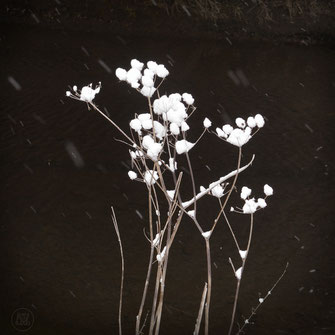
[(201, 310), (209, 290), (238, 285), (147, 279), (122, 267), (231, 188), (254, 310)]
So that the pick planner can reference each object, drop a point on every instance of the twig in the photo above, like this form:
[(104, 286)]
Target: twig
[(201, 310), (122, 267)]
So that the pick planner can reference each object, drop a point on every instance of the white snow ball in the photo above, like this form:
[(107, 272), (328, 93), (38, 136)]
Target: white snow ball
[(75, 88), (132, 175), (154, 150), (136, 64), (207, 123), (68, 93), (161, 71), (221, 133), (251, 122), (88, 94), (245, 192), (121, 74), (161, 105), (132, 154), (147, 141), (261, 203), (177, 116), (144, 116), (238, 137), (250, 206), (232, 209), (259, 120), (240, 122), (155, 241), (227, 128), (175, 97), (149, 73), (261, 300), (184, 126), (135, 124), (147, 81), (217, 191), (150, 177), (135, 85), (148, 91), (268, 190), (146, 124), (159, 130), (152, 66), (188, 98), (183, 146), (174, 128), (133, 75)]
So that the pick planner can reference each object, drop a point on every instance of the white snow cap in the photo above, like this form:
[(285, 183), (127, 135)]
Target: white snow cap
[(148, 91), (250, 206), (133, 76), (174, 128), (221, 133), (184, 126), (188, 98), (227, 129), (159, 130), (161, 71), (136, 64), (251, 122), (259, 120), (153, 150), (68, 93), (147, 81), (152, 66), (191, 213), (121, 74), (217, 191), (183, 146), (202, 189), (156, 240), (132, 175), (268, 190), (207, 234), (171, 194), (261, 203), (172, 164), (135, 124), (150, 177), (160, 256), (240, 122), (207, 123), (162, 105), (243, 253), (261, 300), (239, 137), (245, 192), (88, 94), (238, 273)]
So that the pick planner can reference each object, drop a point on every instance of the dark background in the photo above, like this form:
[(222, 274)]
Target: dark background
[(60, 256)]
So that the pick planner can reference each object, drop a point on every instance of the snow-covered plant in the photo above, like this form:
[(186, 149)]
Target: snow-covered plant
[(158, 140)]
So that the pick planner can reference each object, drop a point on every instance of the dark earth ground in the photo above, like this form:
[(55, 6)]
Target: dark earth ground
[(60, 256)]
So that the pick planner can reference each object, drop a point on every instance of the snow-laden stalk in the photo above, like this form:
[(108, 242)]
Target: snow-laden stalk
[(156, 141)]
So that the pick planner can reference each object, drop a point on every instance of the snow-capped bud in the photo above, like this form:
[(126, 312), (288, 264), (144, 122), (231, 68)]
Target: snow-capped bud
[(259, 120), (132, 175), (121, 74), (268, 190), (207, 123), (240, 122)]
